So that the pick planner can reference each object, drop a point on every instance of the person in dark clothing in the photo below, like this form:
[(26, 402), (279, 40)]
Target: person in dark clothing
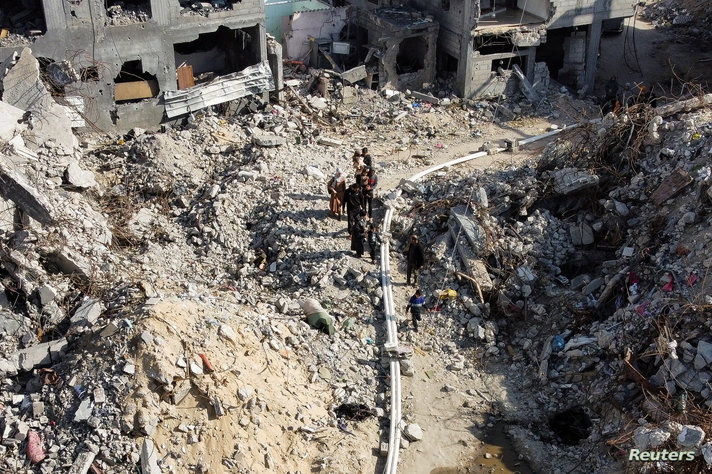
[(357, 234), (611, 88), (416, 259), (363, 181), (371, 184), (415, 306), (353, 200), (367, 158), (373, 241)]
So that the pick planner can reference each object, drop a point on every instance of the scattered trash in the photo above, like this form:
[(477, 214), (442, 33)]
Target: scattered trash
[(557, 344), (354, 411)]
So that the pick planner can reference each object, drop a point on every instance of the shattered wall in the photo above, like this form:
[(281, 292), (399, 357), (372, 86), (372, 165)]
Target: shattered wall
[(407, 42), (325, 24), (84, 34), (583, 12)]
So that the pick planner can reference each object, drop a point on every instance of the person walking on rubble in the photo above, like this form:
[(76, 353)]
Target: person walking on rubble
[(357, 234), (416, 259), (415, 306), (371, 183), (363, 182), (337, 188), (353, 204), (367, 158), (356, 158)]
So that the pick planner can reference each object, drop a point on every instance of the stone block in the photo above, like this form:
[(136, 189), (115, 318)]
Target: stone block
[(690, 437)]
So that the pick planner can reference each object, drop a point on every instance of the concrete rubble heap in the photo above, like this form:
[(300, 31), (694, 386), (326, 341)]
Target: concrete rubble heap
[(139, 327)]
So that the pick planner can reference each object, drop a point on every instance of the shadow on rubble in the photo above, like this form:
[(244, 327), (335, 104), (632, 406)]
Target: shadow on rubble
[(308, 197)]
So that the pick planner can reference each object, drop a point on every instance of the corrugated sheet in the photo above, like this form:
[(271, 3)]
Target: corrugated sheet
[(251, 80)]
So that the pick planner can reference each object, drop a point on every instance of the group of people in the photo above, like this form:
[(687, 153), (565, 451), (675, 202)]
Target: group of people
[(356, 201), (617, 98)]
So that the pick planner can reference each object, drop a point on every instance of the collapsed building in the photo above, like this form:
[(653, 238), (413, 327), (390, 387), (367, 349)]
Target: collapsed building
[(480, 43), (141, 62), (138, 62)]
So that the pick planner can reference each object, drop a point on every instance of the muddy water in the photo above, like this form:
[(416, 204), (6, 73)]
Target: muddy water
[(502, 457)]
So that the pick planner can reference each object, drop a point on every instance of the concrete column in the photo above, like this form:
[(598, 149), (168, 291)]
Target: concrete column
[(55, 18), (463, 81), (274, 55), (594, 41), (529, 63)]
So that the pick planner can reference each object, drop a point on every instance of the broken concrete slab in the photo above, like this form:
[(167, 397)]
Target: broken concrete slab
[(16, 188), (71, 263), (524, 85), (40, 355), (82, 463), (46, 294), (268, 140), (570, 180), (425, 97), (354, 74), (88, 312), (10, 121), (78, 177), (24, 89), (329, 141), (149, 457)]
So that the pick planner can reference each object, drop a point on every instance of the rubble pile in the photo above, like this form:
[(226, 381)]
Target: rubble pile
[(153, 285), (192, 7), (594, 281), (120, 13), (688, 19)]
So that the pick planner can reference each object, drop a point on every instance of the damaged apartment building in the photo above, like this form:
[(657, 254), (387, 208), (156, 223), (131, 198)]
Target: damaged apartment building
[(477, 42), (128, 63)]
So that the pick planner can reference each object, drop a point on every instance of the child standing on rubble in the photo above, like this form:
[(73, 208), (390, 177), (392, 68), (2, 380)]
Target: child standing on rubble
[(415, 306)]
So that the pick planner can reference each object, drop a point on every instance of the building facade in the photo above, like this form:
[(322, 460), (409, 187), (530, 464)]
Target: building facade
[(122, 57)]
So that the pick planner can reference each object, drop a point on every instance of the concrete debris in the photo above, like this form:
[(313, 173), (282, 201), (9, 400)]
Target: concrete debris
[(690, 436), (204, 238), (78, 177), (413, 432), (22, 88)]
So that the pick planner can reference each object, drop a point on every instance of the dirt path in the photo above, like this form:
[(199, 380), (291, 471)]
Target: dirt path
[(450, 408)]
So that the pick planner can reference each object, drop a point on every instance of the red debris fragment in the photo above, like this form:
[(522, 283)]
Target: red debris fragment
[(670, 282), (35, 451), (206, 362)]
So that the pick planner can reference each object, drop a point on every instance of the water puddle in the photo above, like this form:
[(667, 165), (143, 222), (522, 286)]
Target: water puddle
[(497, 455)]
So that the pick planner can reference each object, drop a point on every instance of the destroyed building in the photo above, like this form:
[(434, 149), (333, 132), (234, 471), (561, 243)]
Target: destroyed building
[(481, 43), (138, 62)]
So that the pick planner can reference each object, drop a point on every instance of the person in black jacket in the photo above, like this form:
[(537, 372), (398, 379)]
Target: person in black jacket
[(357, 234), (367, 159), (353, 199), (416, 259)]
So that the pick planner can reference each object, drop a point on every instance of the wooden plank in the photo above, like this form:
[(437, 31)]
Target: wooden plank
[(135, 90), (671, 186), (185, 77)]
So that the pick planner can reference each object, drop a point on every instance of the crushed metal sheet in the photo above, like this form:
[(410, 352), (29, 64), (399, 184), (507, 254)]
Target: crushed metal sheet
[(251, 80)]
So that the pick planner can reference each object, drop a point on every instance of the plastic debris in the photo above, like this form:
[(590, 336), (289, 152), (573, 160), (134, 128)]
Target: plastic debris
[(35, 451)]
